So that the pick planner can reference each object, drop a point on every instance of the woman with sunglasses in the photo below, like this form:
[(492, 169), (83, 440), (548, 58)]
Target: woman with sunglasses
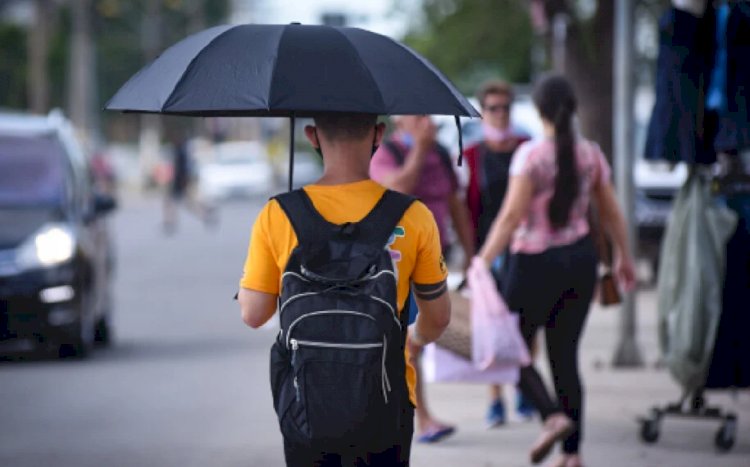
[(489, 166)]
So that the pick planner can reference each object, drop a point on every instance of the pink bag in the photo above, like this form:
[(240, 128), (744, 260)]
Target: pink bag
[(495, 339), (443, 366)]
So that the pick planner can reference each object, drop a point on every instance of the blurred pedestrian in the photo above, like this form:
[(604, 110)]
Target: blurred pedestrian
[(182, 189), (413, 162), (550, 274), (103, 173), (489, 174), (344, 196)]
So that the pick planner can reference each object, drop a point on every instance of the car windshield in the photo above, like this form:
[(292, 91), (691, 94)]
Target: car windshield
[(31, 171)]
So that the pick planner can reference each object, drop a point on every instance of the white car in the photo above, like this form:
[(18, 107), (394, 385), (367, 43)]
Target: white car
[(237, 169), (308, 168)]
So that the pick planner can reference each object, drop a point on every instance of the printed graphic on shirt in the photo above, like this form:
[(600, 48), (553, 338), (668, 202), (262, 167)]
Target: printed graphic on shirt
[(398, 232), (443, 266)]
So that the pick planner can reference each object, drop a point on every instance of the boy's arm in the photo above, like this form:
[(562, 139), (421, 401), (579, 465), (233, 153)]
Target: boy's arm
[(434, 313), (259, 286), (429, 284), (257, 307)]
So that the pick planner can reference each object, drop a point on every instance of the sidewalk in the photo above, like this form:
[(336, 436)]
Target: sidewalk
[(614, 400)]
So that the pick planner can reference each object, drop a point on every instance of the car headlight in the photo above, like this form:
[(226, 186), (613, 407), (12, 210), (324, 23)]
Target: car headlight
[(51, 245)]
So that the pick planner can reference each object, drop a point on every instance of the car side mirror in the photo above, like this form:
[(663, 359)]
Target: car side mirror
[(104, 204)]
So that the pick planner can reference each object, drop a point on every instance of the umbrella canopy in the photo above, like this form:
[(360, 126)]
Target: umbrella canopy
[(280, 70), (290, 70)]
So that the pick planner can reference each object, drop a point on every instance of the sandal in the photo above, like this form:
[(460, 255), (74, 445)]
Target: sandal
[(435, 434), (556, 428)]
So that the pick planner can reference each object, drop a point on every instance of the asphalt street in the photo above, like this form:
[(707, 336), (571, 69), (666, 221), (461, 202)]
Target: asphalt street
[(185, 383)]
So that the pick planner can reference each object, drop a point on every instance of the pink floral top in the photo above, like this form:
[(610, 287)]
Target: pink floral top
[(536, 160)]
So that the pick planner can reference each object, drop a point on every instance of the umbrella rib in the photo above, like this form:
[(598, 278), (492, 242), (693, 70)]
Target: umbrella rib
[(189, 66), (273, 70), (364, 65)]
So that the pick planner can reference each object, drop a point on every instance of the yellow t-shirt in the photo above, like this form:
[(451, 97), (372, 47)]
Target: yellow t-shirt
[(414, 246)]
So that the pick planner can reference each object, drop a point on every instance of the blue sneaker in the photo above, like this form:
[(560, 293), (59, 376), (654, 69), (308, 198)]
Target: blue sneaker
[(524, 407), (496, 414)]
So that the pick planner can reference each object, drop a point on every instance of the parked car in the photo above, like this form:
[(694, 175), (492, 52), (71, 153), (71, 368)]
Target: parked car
[(56, 256), (237, 169)]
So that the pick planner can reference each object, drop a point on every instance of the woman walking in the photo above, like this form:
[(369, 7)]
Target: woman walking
[(550, 275)]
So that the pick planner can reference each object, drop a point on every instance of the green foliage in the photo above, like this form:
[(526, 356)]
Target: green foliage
[(120, 27), (472, 40), (118, 37), (12, 66)]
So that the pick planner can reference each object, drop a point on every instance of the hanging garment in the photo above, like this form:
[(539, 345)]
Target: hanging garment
[(730, 363), (677, 131), (690, 281), (734, 125), (716, 97)]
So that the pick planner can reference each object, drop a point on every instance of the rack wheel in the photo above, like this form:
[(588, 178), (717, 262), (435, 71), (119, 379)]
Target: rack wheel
[(650, 429), (725, 437)]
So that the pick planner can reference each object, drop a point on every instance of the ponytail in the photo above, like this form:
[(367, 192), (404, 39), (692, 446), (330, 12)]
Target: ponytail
[(556, 102), (566, 181)]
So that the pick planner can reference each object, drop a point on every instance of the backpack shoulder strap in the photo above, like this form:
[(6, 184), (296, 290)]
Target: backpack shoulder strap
[(377, 226), (445, 158), (308, 224)]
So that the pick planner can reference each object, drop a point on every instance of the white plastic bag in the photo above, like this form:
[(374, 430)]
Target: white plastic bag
[(496, 339)]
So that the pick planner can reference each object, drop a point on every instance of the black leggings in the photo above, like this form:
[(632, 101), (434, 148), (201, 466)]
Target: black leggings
[(554, 289)]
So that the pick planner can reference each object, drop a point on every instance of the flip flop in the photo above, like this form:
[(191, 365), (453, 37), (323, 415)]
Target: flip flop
[(433, 435)]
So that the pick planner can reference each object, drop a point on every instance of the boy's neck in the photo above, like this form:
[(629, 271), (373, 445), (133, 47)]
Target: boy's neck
[(341, 167)]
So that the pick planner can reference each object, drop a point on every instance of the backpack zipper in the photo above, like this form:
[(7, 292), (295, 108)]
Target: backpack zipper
[(333, 345), (390, 308), (385, 383), (295, 297), (325, 312)]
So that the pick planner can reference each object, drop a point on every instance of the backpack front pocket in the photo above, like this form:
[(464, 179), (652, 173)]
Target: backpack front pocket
[(339, 389)]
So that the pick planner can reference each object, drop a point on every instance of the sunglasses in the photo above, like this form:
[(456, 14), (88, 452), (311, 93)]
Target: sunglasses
[(497, 107)]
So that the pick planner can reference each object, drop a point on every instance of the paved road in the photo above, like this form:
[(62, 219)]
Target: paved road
[(186, 383)]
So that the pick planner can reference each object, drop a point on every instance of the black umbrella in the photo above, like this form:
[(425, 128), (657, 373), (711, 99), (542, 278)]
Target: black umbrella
[(290, 70)]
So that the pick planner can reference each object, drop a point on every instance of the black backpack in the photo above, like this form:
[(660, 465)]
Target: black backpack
[(337, 366)]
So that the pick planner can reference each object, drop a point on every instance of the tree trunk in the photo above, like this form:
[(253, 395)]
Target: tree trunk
[(81, 85), (589, 67), (38, 40), (586, 59)]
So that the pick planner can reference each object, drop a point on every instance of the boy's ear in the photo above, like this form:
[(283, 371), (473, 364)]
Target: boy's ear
[(379, 133), (311, 133)]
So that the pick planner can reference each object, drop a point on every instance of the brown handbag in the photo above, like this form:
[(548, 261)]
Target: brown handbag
[(457, 336), (609, 291)]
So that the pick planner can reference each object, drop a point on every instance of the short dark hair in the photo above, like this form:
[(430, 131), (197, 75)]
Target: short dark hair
[(497, 87), (345, 125)]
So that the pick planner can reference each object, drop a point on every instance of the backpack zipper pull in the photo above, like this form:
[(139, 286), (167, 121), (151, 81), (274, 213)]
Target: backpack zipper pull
[(295, 347), (296, 388)]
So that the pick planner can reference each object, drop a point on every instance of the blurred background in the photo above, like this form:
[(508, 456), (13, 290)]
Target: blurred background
[(171, 376)]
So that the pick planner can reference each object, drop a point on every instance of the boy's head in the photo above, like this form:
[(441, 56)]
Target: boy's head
[(342, 126), (336, 128)]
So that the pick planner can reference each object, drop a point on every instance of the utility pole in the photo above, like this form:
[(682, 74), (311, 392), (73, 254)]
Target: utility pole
[(38, 49), (149, 140), (81, 82), (627, 353)]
